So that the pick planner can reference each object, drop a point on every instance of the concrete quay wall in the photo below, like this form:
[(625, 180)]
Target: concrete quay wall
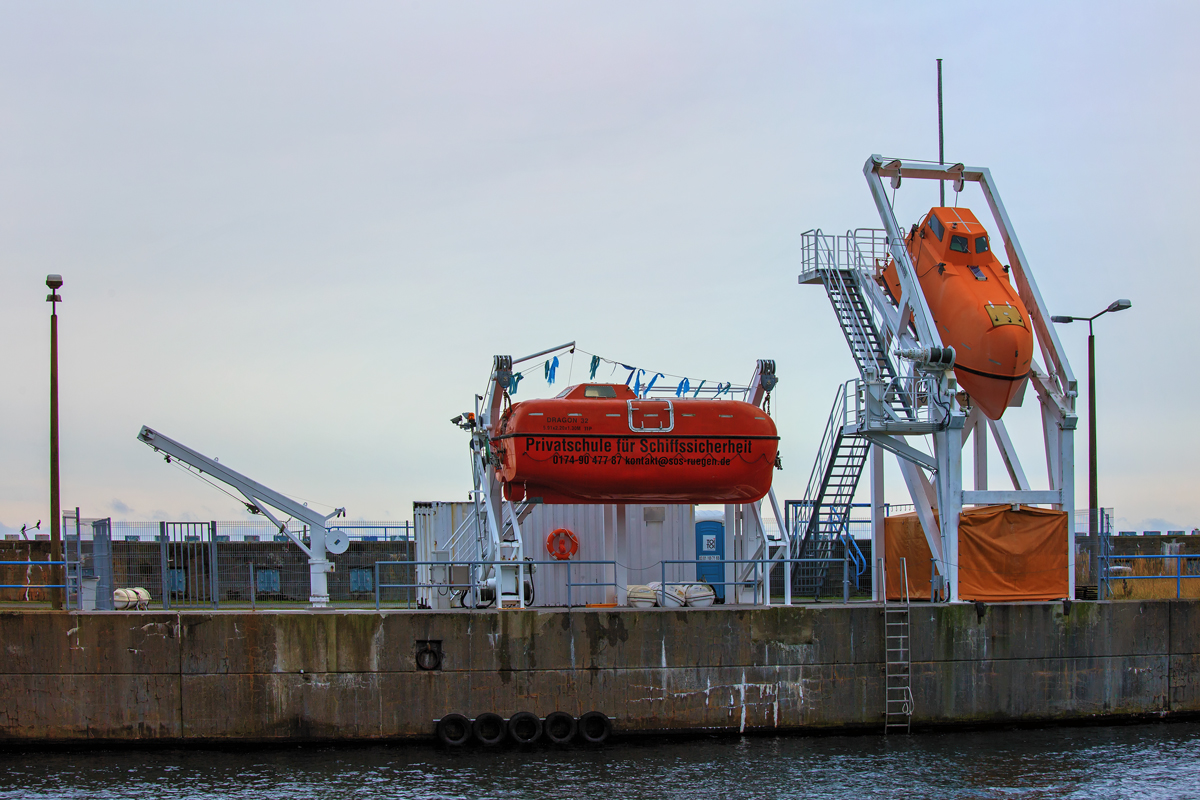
[(352, 675)]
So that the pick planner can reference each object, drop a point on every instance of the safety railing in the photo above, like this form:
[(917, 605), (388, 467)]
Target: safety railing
[(1113, 572), (833, 427), (918, 395), (760, 590), (28, 586), (478, 583)]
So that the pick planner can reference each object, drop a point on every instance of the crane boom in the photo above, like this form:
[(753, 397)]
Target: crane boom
[(262, 499)]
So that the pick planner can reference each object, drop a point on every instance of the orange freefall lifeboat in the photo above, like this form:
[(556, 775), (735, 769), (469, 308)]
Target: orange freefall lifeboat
[(601, 443), (974, 304)]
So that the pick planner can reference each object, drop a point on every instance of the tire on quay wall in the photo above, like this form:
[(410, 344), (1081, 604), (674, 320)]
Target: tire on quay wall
[(595, 727), (560, 727), (489, 729), (524, 727), (454, 730)]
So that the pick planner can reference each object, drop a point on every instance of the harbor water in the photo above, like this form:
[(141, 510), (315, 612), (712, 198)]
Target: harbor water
[(1136, 761)]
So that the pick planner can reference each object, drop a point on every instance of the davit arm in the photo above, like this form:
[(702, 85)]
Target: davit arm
[(261, 499)]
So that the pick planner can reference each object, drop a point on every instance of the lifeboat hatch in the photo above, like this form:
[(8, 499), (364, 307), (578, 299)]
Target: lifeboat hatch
[(651, 416)]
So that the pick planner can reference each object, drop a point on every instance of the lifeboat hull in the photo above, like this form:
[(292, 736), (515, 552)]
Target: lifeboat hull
[(977, 310), (621, 449)]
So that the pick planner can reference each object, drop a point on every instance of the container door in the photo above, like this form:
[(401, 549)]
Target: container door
[(710, 555)]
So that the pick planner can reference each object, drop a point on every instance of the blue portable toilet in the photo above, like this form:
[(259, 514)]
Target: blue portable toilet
[(710, 555)]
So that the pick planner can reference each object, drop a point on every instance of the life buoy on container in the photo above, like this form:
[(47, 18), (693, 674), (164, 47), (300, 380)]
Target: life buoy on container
[(562, 544)]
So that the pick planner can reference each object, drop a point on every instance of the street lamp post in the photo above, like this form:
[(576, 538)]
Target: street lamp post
[(1093, 492), (56, 550)]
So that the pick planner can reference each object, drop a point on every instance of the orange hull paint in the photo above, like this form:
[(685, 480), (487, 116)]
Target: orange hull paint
[(619, 449), (977, 310)]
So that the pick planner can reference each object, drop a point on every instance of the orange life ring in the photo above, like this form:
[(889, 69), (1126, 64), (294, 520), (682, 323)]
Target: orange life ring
[(562, 544)]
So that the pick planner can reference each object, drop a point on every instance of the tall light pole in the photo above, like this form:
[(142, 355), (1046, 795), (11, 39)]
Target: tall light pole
[(58, 574), (1093, 493)]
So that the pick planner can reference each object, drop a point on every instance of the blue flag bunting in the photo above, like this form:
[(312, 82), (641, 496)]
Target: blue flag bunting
[(698, 388), (551, 366), (682, 388), (594, 367), (650, 385), (513, 381)]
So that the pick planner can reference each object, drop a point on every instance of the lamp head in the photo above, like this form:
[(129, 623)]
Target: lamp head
[(54, 281), (1062, 319), (1120, 305)]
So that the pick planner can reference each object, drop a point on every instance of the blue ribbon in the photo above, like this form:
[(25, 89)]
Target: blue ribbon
[(594, 367), (513, 381), (650, 385), (637, 384), (682, 388), (723, 389), (632, 370), (698, 388), (551, 366)]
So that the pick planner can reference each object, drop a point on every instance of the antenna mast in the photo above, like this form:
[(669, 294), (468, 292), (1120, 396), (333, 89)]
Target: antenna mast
[(941, 139)]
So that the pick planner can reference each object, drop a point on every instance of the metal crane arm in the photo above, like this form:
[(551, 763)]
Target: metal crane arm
[(261, 497)]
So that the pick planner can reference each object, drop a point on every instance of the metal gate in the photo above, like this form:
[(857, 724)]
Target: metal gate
[(189, 564)]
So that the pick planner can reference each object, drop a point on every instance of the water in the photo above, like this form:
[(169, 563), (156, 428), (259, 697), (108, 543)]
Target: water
[(1142, 761)]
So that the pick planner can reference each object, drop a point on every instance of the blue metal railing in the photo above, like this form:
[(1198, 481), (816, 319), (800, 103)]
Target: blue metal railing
[(471, 584), (37, 585), (1106, 559), (475, 567)]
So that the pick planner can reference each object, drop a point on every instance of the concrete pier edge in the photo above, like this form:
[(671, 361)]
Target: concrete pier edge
[(216, 677)]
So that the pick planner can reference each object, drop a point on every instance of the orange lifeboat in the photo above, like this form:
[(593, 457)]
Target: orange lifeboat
[(975, 307), (601, 443)]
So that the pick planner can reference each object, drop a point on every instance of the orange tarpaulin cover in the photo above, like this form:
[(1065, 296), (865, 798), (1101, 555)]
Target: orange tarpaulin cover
[(1002, 554)]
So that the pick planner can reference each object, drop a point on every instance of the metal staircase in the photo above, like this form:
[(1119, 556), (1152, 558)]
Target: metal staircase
[(898, 706), (825, 512), (847, 278)]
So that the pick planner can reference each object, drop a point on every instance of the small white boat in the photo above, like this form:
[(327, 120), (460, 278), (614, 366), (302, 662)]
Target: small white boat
[(124, 598), (641, 596), (699, 595), (669, 597)]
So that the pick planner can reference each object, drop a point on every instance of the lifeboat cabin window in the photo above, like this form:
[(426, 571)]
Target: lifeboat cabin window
[(981, 245), (935, 225), (599, 391), (959, 244)]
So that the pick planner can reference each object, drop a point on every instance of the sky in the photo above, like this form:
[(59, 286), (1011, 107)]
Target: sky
[(293, 235)]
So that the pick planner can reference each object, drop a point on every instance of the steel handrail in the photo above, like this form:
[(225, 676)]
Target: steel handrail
[(34, 585), (472, 564), (1179, 575)]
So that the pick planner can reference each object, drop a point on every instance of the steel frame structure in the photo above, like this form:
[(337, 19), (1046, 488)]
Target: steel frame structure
[(259, 500), (908, 327)]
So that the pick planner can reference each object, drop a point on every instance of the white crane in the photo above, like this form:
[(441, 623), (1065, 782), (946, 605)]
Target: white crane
[(259, 499)]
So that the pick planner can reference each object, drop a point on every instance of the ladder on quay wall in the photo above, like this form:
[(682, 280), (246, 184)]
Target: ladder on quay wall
[(898, 707)]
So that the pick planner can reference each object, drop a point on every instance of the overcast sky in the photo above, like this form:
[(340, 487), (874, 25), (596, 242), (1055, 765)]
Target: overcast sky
[(294, 234)]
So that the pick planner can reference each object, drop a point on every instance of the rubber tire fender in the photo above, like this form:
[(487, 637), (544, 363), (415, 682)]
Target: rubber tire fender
[(489, 729), (560, 727), (524, 727), (594, 727), (454, 730)]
